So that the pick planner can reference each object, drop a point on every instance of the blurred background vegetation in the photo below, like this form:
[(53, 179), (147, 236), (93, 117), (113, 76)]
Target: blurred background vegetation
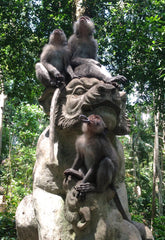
[(131, 41)]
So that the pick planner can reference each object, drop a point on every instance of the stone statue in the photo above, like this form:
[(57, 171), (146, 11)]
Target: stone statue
[(53, 211), (79, 191)]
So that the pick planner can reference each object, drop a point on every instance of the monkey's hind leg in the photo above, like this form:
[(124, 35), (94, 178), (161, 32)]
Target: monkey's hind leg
[(42, 75), (105, 174)]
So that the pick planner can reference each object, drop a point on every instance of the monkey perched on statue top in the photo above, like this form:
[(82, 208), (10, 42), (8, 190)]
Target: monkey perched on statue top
[(54, 61), (83, 47), (82, 43), (96, 157)]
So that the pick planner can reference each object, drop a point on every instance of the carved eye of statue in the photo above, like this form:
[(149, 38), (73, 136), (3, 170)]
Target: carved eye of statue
[(79, 91)]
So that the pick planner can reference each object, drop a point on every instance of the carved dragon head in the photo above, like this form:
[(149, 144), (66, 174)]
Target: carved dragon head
[(90, 96)]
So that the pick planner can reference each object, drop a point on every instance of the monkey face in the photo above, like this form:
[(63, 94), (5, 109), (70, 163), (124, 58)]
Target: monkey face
[(93, 124), (84, 20), (95, 119), (57, 37), (84, 26)]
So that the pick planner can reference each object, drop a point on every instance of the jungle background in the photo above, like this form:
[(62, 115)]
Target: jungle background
[(131, 42)]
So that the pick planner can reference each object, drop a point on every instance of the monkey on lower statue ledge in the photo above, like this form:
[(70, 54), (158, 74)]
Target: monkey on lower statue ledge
[(96, 157), (96, 165)]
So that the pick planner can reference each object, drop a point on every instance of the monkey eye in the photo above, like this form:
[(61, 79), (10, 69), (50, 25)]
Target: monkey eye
[(79, 91)]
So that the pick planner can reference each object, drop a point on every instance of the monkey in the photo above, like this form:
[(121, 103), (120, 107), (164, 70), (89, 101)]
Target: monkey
[(82, 44), (84, 48), (98, 161), (96, 157), (54, 64)]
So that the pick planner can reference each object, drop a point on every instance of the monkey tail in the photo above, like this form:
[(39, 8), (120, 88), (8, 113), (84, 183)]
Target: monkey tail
[(140, 226), (119, 205)]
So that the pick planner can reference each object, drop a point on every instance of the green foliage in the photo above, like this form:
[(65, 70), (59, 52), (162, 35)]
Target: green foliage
[(17, 180), (159, 226), (140, 192), (28, 121), (7, 226), (138, 151), (131, 42), (59, 14), (17, 174), (24, 126), (18, 50)]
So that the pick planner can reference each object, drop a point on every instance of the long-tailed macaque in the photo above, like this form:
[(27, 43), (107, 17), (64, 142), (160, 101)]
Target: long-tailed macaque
[(83, 47), (54, 61), (96, 157), (96, 165)]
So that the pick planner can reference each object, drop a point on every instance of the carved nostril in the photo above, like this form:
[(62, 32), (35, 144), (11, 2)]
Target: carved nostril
[(101, 89), (113, 90)]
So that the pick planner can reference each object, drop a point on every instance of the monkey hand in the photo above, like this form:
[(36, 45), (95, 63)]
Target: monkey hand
[(74, 173), (59, 77)]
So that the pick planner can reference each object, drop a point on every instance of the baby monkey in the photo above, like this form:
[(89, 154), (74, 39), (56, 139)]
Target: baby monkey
[(96, 161), (54, 61)]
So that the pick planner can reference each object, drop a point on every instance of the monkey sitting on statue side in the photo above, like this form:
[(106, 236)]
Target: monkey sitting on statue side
[(96, 157), (83, 47), (96, 165), (54, 65)]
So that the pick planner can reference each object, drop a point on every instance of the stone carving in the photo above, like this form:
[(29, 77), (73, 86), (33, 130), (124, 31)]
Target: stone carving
[(25, 219), (97, 217), (55, 211), (81, 96)]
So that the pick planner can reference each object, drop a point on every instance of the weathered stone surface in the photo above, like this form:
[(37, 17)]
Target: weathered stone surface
[(97, 218), (49, 209), (25, 220)]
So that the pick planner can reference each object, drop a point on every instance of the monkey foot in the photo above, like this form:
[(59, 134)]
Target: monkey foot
[(119, 79), (57, 84), (84, 188)]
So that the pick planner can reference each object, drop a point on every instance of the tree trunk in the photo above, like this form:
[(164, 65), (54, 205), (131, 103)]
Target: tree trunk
[(160, 178), (79, 8), (2, 103), (155, 166)]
